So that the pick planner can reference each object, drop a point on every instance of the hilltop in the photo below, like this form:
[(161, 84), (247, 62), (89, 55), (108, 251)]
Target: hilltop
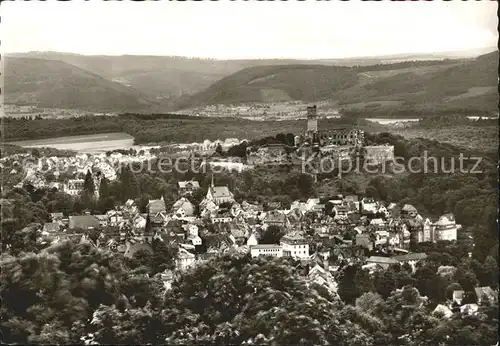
[(51, 83), (458, 83)]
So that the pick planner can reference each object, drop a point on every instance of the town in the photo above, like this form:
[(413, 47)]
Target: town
[(322, 233), (241, 173)]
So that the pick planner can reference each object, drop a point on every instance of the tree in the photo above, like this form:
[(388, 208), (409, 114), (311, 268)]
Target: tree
[(354, 281), (465, 277), (88, 184), (103, 189), (490, 273), (219, 149), (129, 185), (305, 185), (385, 282), (148, 224), (272, 235)]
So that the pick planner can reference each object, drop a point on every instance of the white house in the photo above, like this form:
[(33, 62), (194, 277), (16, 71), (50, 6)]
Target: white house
[(295, 245), (185, 259), (369, 205), (444, 310), (252, 240), (183, 207), (266, 250), (446, 228), (73, 186), (195, 240), (192, 229), (188, 187)]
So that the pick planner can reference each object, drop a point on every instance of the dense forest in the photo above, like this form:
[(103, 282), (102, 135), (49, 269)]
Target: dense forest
[(75, 293), (164, 128)]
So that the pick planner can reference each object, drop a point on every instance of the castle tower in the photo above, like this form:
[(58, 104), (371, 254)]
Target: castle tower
[(312, 119)]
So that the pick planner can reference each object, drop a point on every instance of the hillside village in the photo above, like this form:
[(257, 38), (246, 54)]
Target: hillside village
[(319, 233)]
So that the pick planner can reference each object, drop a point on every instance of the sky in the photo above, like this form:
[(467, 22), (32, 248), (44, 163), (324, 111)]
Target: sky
[(248, 29)]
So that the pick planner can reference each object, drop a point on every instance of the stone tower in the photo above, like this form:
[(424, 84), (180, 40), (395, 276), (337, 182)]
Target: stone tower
[(312, 119)]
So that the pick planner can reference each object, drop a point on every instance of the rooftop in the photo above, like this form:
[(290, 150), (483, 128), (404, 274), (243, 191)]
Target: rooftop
[(415, 256), (189, 184), (220, 191), (265, 246), (380, 259)]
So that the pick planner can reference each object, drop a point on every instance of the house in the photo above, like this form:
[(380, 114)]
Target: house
[(238, 234), (236, 210), (364, 241), (442, 310), (183, 207), (222, 217), (341, 211), (446, 228), (352, 201), (156, 206), (55, 217), (266, 250), (194, 239), (275, 218), (51, 227), (469, 309), (252, 240), (427, 230), (174, 226), (247, 207), (311, 202), (379, 223), (321, 276), (337, 200), (458, 296), (394, 210), (83, 222), (208, 207), (167, 277), (103, 220), (192, 229), (185, 259), (205, 257), (485, 292), (139, 221), (383, 262), (188, 187), (411, 258), (73, 186), (157, 220), (368, 205), (295, 245), (132, 249), (408, 211)]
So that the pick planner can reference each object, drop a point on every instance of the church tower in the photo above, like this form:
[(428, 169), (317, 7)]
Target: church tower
[(312, 119)]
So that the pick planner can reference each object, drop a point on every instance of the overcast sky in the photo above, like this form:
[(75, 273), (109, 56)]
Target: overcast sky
[(240, 29)]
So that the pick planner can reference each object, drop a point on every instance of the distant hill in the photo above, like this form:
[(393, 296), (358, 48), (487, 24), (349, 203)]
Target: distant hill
[(447, 83), (169, 77), (276, 83), (165, 83), (50, 83), (158, 77)]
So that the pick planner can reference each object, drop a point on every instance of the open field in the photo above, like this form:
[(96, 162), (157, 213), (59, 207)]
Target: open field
[(468, 137), (85, 143)]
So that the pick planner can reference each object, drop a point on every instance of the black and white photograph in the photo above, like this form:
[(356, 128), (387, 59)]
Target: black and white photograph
[(249, 172)]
